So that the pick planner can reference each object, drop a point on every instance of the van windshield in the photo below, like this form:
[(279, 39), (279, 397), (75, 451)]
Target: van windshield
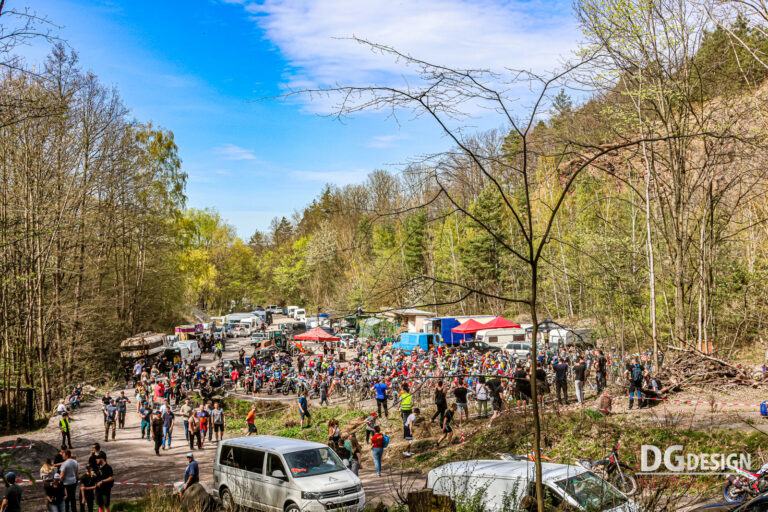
[(317, 461), (591, 492)]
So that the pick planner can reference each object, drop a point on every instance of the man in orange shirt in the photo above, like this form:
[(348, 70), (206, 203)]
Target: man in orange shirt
[(251, 421)]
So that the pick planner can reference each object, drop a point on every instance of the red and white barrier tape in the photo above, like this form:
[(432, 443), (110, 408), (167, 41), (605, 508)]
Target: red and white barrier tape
[(142, 484), (20, 446)]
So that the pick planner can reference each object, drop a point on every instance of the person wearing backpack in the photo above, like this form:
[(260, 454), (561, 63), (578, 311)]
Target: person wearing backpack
[(635, 373), (378, 442)]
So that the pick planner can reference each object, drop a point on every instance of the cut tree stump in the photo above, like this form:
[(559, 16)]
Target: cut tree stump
[(425, 500)]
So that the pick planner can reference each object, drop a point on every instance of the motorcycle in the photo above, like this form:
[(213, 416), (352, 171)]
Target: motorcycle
[(614, 471), (743, 484)]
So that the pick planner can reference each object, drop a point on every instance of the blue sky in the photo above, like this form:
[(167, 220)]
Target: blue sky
[(196, 67)]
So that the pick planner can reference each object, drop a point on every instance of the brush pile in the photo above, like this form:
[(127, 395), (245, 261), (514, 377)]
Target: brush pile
[(692, 367)]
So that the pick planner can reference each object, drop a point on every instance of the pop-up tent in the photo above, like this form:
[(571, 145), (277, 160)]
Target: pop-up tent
[(469, 327), (316, 334), (500, 323)]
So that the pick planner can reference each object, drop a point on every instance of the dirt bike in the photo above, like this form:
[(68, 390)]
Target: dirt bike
[(614, 471), (743, 484)]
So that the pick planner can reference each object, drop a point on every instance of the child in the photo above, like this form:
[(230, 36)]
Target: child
[(408, 430), (447, 430)]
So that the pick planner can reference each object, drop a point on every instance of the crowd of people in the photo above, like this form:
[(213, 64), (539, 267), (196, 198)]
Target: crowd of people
[(449, 379)]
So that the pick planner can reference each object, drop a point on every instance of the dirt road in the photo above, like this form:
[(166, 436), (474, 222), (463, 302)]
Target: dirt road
[(134, 460)]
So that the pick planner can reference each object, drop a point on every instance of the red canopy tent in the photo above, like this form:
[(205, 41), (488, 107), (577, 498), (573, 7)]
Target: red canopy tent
[(469, 327), (316, 334), (500, 323)]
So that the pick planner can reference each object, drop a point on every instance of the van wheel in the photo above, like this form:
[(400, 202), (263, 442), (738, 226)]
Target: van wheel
[(292, 507), (228, 501)]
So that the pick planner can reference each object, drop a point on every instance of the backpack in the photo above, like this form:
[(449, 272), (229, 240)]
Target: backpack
[(637, 373), (386, 440), (764, 408)]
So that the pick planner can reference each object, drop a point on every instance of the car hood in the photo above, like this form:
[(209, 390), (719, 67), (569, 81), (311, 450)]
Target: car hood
[(328, 482)]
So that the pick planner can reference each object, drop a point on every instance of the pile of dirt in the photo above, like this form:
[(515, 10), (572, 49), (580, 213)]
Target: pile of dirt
[(691, 367), (29, 458)]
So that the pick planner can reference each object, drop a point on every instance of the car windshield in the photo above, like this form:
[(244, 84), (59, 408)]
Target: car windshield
[(591, 492), (316, 461)]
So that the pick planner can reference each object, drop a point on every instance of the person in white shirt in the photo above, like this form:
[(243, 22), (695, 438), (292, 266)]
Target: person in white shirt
[(408, 430), (61, 408), (481, 393), (68, 471)]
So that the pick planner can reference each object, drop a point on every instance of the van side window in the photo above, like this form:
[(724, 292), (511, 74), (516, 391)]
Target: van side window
[(273, 464), (493, 339), (253, 461)]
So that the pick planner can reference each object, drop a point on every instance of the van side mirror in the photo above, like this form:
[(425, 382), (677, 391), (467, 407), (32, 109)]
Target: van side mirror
[(278, 474)]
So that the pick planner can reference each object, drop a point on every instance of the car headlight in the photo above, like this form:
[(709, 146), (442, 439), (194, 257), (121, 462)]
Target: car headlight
[(358, 487), (310, 495)]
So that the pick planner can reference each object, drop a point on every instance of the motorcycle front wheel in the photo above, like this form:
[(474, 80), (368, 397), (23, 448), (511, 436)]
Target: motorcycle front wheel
[(733, 493), (624, 482)]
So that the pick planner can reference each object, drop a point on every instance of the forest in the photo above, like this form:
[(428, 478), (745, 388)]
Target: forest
[(629, 198)]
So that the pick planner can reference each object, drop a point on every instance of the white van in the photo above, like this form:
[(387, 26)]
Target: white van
[(291, 310), (283, 475), (520, 350), (300, 315), (500, 336), (503, 485), (192, 347)]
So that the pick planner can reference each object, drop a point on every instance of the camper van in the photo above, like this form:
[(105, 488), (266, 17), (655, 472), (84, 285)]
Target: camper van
[(408, 341), (567, 337), (501, 336), (300, 315)]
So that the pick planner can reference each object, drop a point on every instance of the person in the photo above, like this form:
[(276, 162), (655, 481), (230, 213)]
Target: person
[(168, 421), (12, 495), (209, 420), (579, 378), (334, 434), (59, 458), (304, 409), (481, 393), (202, 415), (61, 408), (601, 364), (194, 432), (380, 388), (377, 448), (122, 407), (561, 380), (370, 422), (93, 456), (87, 488), (110, 417), (250, 420), (408, 430), (542, 386), (406, 402), (145, 413), (105, 480), (157, 431), (68, 472), (186, 411), (460, 393), (46, 471), (54, 495), (441, 402), (323, 391), (217, 416), (66, 430), (447, 430), (634, 373), (354, 449), (191, 475), (496, 390)]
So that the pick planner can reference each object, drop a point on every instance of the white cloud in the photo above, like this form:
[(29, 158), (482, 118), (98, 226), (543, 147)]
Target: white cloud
[(459, 33), (385, 141), (233, 152), (335, 177)]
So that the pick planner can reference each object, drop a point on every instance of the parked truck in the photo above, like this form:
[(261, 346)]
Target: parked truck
[(443, 325)]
